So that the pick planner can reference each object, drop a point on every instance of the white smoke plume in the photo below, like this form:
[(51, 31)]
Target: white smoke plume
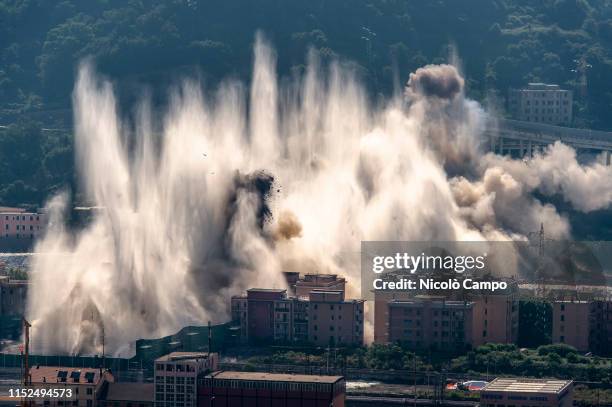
[(233, 193)]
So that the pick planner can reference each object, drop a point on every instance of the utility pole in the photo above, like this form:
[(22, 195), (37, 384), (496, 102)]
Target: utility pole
[(414, 366), (209, 340), (103, 349), (26, 366)]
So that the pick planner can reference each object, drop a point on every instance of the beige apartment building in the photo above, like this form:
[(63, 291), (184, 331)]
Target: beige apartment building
[(504, 392), (541, 103), (334, 321), (176, 377)]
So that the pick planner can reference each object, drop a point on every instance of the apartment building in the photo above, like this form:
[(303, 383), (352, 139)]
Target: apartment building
[(13, 296), (324, 317), (176, 376), (541, 103), (503, 392), (491, 318), (585, 325), (271, 389), (85, 384), (495, 318), (334, 321), (431, 322), (265, 314), (20, 224)]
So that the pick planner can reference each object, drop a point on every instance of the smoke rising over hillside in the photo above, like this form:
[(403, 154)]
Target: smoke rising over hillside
[(293, 180)]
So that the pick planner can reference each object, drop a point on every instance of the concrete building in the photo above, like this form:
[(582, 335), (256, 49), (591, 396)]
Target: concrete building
[(127, 395), (13, 296), (381, 313), (309, 282), (268, 389), (17, 223), (85, 384), (585, 325), (541, 103), (266, 316), (527, 393), (495, 318), (486, 318), (291, 278), (334, 321), (430, 322), (176, 376)]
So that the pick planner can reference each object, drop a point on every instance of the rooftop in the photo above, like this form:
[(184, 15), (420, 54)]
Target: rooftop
[(436, 303), (274, 377), (174, 356), (267, 290), (130, 392), (5, 280), (542, 86), (10, 209), (62, 374), (528, 385)]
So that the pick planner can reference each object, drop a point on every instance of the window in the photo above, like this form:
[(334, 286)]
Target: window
[(89, 391)]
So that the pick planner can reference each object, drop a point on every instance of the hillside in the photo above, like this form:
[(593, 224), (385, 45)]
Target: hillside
[(501, 43)]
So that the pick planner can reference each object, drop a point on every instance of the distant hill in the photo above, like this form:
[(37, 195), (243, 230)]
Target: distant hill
[(501, 43)]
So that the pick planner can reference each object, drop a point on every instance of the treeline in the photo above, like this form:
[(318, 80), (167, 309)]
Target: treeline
[(33, 164), (503, 43), (561, 361), (140, 44)]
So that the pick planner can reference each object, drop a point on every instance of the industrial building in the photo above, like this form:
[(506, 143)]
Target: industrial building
[(527, 393), (270, 389)]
